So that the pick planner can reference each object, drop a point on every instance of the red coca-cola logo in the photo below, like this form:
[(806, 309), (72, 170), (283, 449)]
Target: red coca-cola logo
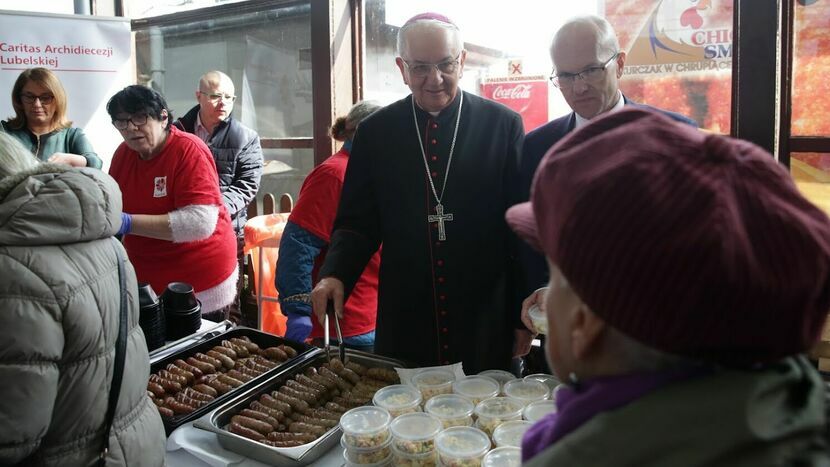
[(519, 91)]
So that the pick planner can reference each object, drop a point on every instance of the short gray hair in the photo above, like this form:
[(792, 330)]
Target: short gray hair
[(422, 23), (14, 157), (633, 356), (606, 36), (361, 110)]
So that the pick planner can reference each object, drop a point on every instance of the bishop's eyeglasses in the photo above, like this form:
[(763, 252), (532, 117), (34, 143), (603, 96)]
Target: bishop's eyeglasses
[(592, 74), (447, 67), (215, 98)]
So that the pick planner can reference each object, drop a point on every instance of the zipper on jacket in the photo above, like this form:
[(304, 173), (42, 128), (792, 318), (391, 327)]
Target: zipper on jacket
[(37, 149)]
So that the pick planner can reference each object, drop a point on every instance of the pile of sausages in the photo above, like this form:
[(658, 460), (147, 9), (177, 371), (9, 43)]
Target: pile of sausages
[(188, 384), (311, 403)]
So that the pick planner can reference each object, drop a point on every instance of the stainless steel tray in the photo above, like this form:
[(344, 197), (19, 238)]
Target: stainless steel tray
[(258, 337), (289, 457)]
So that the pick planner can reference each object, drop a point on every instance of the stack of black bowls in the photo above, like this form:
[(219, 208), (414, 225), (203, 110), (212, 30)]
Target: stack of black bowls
[(182, 311), (151, 317)]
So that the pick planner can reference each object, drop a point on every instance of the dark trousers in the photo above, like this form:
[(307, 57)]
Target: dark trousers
[(234, 310)]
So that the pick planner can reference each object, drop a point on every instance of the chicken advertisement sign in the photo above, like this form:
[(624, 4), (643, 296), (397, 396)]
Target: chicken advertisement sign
[(682, 36)]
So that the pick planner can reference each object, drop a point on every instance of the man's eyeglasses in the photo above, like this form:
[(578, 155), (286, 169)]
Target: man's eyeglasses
[(215, 98), (446, 67), (592, 74), (122, 123), (45, 99)]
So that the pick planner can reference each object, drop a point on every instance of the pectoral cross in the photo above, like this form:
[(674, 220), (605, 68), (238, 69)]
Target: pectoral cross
[(440, 217)]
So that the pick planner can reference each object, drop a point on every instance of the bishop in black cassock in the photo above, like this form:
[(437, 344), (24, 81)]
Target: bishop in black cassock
[(439, 301)]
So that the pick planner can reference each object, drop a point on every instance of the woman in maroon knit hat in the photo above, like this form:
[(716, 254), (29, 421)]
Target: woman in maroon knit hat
[(688, 277)]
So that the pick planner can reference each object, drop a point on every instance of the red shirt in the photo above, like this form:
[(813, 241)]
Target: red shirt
[(315, 211), (182, 174)]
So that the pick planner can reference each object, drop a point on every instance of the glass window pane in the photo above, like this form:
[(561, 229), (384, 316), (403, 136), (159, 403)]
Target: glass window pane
[(284, 172), (265, 54), (687, 71), (811, 67), (811, 172), (148, 8), (66, 7)]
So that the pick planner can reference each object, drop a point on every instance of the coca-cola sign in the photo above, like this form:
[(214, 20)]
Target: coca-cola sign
[(511, 92), (527, 97)]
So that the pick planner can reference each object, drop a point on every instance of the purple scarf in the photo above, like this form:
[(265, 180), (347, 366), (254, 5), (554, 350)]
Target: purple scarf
[(575, 406)]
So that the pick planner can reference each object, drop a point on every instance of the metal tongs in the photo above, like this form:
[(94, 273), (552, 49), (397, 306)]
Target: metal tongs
[(326, 332)]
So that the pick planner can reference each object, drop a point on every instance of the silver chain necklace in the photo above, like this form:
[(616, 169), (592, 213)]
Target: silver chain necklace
[(439, 215)]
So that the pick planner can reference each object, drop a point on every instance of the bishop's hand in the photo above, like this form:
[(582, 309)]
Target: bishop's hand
[(329, 288)]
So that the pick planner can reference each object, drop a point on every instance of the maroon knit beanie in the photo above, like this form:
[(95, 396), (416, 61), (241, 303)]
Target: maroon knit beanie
[(695, 244)]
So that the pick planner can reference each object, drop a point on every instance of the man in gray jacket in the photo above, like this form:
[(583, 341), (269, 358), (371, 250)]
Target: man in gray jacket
[(235, 148)]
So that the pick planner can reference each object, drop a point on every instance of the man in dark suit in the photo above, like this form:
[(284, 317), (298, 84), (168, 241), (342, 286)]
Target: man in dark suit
[(587, 66)]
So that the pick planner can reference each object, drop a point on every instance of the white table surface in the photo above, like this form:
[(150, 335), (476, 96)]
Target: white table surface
[(191, 447)]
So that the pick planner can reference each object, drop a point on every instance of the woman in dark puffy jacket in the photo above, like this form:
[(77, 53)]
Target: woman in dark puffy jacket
[(59, 319)]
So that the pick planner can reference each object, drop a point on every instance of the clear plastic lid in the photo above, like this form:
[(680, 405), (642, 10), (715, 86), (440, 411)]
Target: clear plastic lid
[(365, 427), (503, 457), (510, 433), (502, 408), (397, 397), (432, 378), (499, 375), (536, 410), (462, 442), (526, 391), (551, 381), (415, 427), (538, 318), (448, 406), (476, 388)]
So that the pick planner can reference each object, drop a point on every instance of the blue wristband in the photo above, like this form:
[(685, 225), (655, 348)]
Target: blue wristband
[(126, 224)]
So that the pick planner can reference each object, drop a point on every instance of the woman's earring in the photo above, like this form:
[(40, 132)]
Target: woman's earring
[(574, 381)]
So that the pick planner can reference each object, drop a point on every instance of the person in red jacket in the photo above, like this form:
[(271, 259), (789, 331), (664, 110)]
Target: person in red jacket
[(306, 237)]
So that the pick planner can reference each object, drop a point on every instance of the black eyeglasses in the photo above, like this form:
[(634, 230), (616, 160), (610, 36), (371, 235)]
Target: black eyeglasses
[(592, 74), (446, 67), (29, 99), (215, 98), (122, 123)]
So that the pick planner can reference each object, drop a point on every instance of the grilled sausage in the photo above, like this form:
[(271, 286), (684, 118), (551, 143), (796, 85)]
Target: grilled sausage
[(265, 362), (194, 394), (188, 376), (350, 375), (236, 374), (208, 359), (227, 351), (241, 352), (300, 427), (325, 423), (250, 346), (253, 423), (220, 387), (299, 387), (290, 351), (275, 354), (246, 432), (173, 377), (178, 407), (205, 389), (247, 371), (171, 387), (185, 399), (166, 412), (304, 396), (250, 363), (233, 382), (204, 367), (195, 371), (383, 374), (155, 388), (342, 384), (334, 407), (258, 406), (269, 401), (226, 361), (260, 416), (298, 405), (357, 368), (308, 382), (286, 436)]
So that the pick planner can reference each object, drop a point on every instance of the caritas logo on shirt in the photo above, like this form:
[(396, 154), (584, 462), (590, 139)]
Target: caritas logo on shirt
[(160, 187)]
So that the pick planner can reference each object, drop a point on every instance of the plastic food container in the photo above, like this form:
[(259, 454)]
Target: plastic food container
[(402, 459), (433, 382), (510, 433), (534, 411), (503, 457), (493, 412), (451, 409), (365, 427), (367, 456), (382, 463), (414, 433), (538, 318), (551, 381), (462, 446), (476, 388), (526, 391), (499, 375), (398, 399)]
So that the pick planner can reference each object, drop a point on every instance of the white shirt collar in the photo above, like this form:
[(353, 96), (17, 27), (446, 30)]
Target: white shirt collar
[(200, 130), (580, 120)]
